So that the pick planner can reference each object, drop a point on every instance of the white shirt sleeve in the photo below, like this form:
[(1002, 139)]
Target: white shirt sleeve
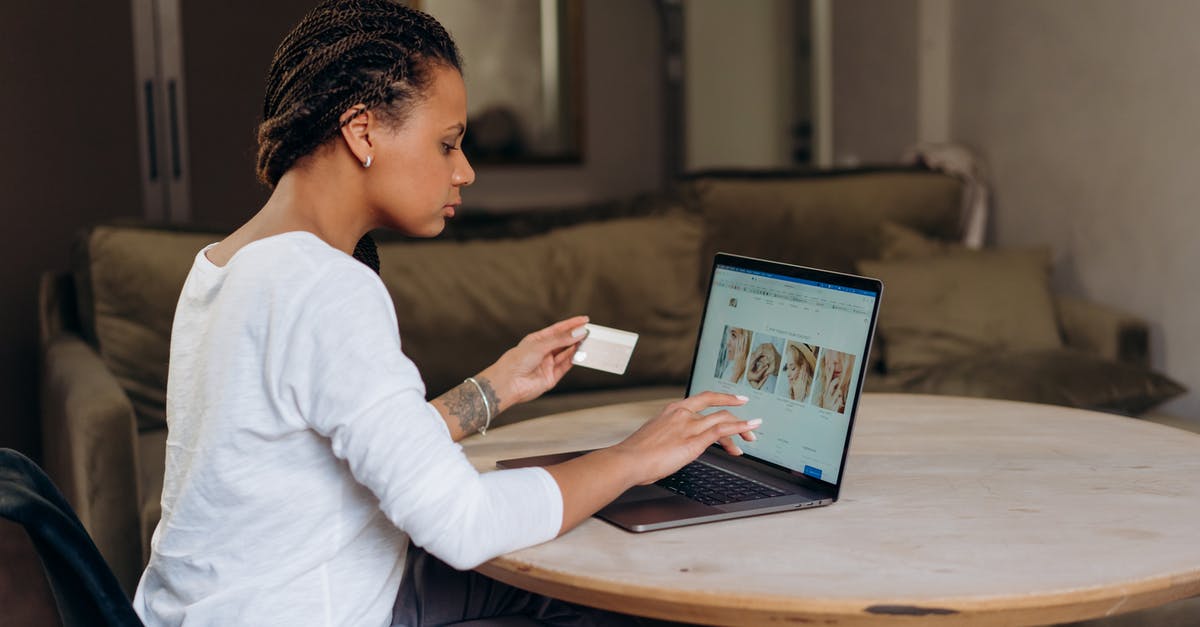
[(344, 371)]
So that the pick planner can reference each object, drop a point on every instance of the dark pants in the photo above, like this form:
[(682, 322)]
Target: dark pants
[(433, 593)]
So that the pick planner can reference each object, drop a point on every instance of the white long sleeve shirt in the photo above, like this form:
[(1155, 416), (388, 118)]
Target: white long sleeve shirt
[(301, 451)]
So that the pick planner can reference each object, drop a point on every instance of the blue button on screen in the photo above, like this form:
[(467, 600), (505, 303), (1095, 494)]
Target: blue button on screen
[(812, 472)]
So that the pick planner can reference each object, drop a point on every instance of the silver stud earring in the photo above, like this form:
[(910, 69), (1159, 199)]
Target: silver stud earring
[(367, 163)]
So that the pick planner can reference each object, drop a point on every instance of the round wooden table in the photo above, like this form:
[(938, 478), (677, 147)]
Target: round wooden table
[(954, 511)]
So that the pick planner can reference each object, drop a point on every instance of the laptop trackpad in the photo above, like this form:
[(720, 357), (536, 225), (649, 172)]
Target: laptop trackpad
[(643, 493), (652, 507)]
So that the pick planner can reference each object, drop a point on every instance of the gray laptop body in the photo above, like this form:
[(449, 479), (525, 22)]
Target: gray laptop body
[(796, 341)]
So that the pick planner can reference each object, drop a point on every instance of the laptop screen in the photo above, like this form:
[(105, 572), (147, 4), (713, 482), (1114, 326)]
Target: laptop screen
[(795, 346)]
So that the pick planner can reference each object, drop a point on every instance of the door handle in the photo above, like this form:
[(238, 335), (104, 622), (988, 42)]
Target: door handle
[(176, 157), (151, 134)]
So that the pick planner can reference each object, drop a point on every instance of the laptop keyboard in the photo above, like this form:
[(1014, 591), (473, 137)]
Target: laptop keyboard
[(712, 486)]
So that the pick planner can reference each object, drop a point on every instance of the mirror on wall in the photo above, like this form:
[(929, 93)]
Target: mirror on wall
[(523, 70)]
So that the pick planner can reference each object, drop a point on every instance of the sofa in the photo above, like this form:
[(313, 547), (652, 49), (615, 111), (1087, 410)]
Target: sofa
[(639, 264)]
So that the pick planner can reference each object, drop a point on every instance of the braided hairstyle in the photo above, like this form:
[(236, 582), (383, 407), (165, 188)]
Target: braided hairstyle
[(345, 52)]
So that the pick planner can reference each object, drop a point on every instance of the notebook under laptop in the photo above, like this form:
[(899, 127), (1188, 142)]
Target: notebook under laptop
[(794, 340)]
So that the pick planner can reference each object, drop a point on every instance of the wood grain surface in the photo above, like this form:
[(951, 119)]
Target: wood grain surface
[(954, 511)]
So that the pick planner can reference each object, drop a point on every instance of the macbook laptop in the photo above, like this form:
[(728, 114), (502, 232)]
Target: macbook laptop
[(794, 340)]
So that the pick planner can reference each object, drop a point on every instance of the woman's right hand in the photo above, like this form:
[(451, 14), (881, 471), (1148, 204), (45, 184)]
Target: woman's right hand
[(663, 445), (680, 433)]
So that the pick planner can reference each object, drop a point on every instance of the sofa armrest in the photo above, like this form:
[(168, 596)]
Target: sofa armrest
[(1105, 331), (89, 439)]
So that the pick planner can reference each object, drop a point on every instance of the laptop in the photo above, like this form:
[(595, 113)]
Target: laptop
[(795, 340)]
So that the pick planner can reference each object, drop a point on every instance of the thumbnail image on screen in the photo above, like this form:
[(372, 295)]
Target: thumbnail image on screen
[(766, 357), (799, 366), (733, 354), (833, 380)]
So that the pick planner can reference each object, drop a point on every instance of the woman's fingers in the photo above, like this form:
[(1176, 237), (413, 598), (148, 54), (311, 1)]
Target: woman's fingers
[(722, 425), (562, 333), (679, 434), (705, 400), (723, 431), (727, 444), (563, 361)]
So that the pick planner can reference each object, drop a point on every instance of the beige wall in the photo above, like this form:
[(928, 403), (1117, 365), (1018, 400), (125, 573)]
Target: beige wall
[(874, 80), (1083, 111), (1086, 113), (623, 127), (739, 82)]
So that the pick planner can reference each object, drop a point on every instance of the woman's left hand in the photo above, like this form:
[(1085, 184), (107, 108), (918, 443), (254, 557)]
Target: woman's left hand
[(537, 363)]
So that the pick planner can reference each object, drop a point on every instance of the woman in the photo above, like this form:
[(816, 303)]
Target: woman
[(833, 387), (301, 455), (764, 366), (732, 362), (800, 362)]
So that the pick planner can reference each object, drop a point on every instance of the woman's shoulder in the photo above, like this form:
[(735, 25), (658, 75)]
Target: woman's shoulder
[(298, 260)]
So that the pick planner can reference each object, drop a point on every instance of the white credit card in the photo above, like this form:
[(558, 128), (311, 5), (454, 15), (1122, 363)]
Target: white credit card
[(606, 349)]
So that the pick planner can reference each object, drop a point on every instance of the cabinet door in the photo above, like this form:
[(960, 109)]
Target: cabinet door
[(227, 50)]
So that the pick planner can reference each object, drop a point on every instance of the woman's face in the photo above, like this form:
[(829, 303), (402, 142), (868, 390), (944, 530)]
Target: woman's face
[(731, 344), (419, 168), (833, 365), (793, 363)]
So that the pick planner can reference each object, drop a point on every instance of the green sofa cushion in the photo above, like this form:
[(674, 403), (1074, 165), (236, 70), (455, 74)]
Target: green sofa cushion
[(130, 280), (1056, 376), (942, 308), (827, 221), (461, 304), (941, 296)]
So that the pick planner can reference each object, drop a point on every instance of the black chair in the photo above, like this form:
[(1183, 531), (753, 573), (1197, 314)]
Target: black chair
[(85, 589)]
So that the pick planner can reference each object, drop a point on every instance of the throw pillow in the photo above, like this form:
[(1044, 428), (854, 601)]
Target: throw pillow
[(897, 241), (948, 307), (460, 305), (129, 279), (1056, 376), (825, 220)]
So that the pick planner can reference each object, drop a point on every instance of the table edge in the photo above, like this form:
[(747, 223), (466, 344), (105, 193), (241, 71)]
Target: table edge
[(748, 608)]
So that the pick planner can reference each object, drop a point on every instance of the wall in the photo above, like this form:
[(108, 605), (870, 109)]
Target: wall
[(740, 83), (623, 123), (70, 158), (622, 94), (874, 80), (225, 68), (1084, 111), (1081, 110)]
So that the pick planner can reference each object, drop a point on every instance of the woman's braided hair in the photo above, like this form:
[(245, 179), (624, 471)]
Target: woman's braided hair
[(377, 53), (344, 52)]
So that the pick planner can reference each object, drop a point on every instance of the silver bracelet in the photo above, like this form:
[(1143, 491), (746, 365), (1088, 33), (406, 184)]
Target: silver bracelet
[(486, 405)]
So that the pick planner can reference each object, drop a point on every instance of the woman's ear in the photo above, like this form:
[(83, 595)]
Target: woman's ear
[(356, 123)]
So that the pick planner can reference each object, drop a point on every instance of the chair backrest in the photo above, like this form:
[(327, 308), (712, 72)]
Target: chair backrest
[(85, 589)]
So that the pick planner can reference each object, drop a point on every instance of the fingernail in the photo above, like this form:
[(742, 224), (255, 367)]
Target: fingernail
[(579, 332), (754, 423), (742, 398), (750, 436)]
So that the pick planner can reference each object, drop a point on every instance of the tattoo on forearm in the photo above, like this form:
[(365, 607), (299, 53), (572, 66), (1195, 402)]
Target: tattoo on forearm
[(464, 403)]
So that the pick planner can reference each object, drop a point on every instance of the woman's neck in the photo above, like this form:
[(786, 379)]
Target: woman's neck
[(312, 199), (305, 200)]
